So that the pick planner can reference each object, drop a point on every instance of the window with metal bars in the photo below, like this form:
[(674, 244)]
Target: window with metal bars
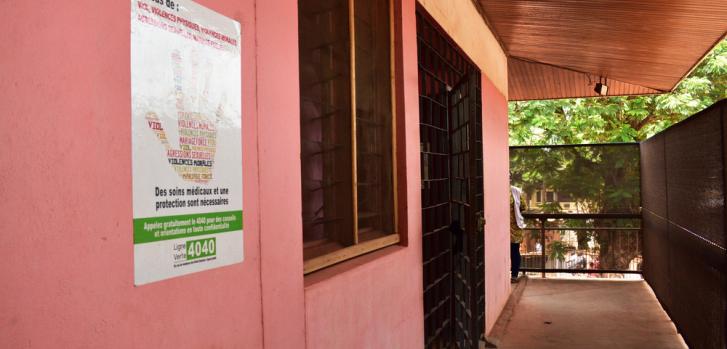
[(347, 129)]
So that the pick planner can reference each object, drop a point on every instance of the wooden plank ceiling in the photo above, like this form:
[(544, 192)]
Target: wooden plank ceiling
[(560, 48)]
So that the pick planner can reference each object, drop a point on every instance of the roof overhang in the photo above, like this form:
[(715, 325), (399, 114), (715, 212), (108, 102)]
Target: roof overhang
[(562, 48)]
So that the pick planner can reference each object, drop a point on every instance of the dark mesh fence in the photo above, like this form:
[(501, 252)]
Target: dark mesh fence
[(582, 203), (578, 178), (685, 261)]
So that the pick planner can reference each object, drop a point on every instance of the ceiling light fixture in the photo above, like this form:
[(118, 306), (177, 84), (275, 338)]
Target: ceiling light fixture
[(601, 87)]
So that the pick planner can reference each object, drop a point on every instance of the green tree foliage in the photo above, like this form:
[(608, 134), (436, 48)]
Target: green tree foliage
[(557, 250), (603, 179), (619, 119), (597, 179)]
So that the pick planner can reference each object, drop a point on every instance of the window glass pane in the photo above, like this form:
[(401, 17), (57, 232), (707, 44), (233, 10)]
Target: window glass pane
[(373, 119), (325, 124), (549, 197)]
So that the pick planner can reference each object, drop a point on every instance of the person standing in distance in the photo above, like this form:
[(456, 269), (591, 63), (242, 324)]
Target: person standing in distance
[(517, 224)]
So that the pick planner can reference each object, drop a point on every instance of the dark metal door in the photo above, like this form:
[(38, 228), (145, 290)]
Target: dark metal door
[(452, 200), (466, 211), (436, 216)]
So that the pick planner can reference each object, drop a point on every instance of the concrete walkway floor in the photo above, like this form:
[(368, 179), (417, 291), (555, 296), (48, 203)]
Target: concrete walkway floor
[(558, 313)]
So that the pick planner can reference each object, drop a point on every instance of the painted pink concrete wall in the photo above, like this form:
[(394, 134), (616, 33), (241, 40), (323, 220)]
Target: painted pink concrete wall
[(65, 193), (280, 188), (496, 160), (65, 184)]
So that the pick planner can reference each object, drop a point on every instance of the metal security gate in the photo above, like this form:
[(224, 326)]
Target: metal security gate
[(452, 191)]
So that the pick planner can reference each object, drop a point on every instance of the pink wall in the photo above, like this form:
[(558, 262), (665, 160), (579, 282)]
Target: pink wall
[(65, 189), (65, 184), (280, 188), (497, 209)]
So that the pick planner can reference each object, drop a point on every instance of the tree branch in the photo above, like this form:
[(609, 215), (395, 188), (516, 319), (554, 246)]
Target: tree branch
[(644, 121)]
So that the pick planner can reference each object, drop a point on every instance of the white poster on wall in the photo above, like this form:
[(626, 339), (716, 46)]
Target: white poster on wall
[(186, 139)]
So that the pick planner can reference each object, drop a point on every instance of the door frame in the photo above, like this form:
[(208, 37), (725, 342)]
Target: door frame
[(439, 73)]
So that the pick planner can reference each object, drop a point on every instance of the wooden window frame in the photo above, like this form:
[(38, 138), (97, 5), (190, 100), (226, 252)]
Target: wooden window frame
[(394, 238)]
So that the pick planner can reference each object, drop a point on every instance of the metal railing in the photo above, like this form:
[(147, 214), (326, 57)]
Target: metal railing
[(597, 245)]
